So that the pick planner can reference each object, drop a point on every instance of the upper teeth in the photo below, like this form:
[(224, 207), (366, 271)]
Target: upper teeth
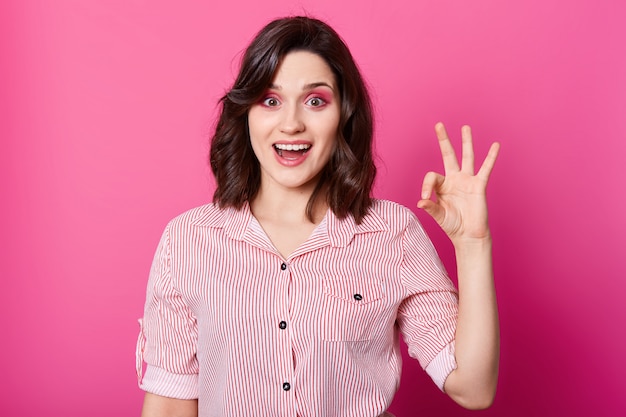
[(291, 147)]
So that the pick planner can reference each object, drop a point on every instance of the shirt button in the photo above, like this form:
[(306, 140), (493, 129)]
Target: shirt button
[(358, 297), (286, 386), (282, 325), (283, 266)]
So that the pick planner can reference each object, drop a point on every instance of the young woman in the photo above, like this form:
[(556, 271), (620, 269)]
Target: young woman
[(287, 294)]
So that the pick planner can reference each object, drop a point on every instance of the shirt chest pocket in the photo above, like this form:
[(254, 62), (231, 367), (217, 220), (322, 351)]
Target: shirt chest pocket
[(351, 308)]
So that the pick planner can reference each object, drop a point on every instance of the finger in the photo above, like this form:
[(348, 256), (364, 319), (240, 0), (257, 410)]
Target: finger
[(433, 209), (467, 161), (489, 162), (432, 181), (450, 163)]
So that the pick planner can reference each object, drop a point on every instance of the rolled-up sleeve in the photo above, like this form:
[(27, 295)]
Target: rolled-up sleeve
[(427, 317), (168, 335)]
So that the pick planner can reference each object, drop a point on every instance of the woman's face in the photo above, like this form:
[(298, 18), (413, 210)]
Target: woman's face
[(293, 128)]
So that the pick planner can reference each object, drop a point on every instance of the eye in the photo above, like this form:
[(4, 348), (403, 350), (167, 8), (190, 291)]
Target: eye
[(315, 102), (270, 102)]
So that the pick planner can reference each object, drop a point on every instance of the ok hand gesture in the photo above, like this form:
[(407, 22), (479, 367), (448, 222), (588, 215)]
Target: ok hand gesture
[(460, 206)]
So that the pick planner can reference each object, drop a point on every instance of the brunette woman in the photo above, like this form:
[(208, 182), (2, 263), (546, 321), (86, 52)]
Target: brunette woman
[(286, 295)]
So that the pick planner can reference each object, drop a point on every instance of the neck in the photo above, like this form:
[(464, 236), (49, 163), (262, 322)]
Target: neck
[(274, 203)]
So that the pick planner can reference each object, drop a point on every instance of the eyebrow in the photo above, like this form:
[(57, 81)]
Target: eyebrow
[(306, 87)]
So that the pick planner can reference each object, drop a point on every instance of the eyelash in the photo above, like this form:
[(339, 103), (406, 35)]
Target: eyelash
[(266, 102), (321, 100)]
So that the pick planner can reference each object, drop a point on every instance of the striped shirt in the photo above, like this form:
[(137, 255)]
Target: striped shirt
[(232, 323)]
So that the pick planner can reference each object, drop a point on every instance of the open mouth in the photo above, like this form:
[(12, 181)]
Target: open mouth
[(291, 151)]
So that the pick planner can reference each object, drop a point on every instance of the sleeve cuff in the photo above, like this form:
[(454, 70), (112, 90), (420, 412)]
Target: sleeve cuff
[(161, 382), (441, 366)]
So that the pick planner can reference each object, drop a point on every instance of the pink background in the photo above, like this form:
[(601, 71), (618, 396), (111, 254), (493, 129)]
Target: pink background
[(105, 115)]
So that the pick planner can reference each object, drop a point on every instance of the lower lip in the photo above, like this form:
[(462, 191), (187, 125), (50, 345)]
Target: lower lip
[(291, 162)]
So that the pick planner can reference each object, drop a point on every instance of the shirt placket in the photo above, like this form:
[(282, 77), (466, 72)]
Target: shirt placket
[(285, 374), (285, 343)]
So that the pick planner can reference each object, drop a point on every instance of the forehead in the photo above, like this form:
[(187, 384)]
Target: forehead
[(300, 68)]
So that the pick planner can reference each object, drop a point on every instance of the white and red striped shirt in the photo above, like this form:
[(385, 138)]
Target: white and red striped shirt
[(230, 322)]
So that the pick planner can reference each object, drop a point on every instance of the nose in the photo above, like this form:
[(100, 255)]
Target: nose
[(291, 122)]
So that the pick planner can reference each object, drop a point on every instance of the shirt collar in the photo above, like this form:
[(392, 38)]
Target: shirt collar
[(234, 222), (342, 231), (240, 224)]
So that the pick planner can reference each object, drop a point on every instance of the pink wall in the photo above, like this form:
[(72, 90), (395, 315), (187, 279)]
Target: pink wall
[(106, 107)]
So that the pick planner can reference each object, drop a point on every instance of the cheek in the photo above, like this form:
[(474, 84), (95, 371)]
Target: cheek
[(257, 121), (333, 132), (329, 124), (254, 136), (331, 146), (257, 138)]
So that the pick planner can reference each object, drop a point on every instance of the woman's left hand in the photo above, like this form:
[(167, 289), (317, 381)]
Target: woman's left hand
[(460, 206)]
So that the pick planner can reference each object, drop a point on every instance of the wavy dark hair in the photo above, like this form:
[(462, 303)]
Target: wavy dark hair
[(349, 175)]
